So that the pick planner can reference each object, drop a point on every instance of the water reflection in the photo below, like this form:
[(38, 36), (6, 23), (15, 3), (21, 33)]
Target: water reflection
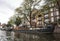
[(17, 36), (25, 37)]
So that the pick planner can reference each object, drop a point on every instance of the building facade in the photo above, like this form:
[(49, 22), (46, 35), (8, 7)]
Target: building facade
[(48, 16)]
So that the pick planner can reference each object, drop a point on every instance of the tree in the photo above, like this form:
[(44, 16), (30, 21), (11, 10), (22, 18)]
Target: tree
[(20, 12), (9, 24), (27, 7), (18, 21)]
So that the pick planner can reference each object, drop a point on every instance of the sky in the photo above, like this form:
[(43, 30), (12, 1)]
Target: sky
[(7, 8)]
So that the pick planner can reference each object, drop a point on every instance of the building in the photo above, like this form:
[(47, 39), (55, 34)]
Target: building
[(48, 16)]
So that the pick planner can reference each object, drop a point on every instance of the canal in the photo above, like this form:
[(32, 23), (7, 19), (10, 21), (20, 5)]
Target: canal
[(18, 36)]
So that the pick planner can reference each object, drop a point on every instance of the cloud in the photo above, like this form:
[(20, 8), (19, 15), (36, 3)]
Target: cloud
[(7, 8)]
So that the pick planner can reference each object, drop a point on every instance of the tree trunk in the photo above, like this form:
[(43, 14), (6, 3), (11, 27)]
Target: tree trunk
[(30, 19)]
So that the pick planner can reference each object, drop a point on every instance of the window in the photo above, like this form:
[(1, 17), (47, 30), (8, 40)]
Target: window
[(39, 23), (55, 8), (51, 13), (46, 15), (57, 17), (51, 9), (52, 4), (57, 13), (46, 20), (52, 19), (39, 18)]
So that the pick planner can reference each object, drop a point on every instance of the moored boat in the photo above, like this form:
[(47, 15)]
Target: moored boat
[(47, 29)]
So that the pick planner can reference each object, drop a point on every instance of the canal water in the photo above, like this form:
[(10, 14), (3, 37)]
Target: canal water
[(18, 36)]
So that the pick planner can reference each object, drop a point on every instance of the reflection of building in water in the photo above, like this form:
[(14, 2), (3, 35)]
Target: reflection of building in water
[(25, 37), (9, 35), (33, 37)]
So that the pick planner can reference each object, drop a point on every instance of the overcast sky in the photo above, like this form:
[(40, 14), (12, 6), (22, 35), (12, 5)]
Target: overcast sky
[(7, 8)]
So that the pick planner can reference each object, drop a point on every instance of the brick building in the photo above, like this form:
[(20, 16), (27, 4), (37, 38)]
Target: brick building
[(48, 16)]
